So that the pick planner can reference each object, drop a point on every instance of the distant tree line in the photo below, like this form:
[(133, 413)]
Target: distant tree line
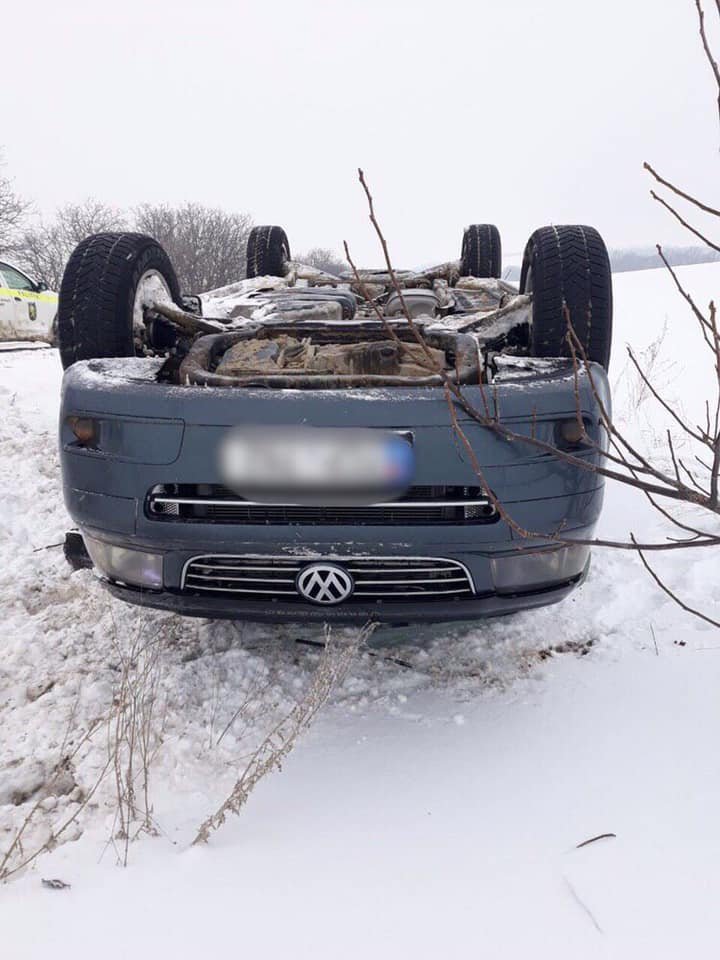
[(647, 258), (323, 259), (206, 245), (627, 259)]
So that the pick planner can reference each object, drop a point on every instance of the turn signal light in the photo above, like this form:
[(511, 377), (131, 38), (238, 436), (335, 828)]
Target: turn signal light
[(85, 430), (572, 432)]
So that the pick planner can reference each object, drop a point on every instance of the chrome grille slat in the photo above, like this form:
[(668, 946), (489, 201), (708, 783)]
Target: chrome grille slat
[(376, 578), (421, 504), (290, 593), (406, 593), (228, 566), (407, 570), (396, 504), (204, 576), (387, 583)]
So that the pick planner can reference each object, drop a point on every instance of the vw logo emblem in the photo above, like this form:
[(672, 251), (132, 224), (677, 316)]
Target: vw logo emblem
[(324, 583)]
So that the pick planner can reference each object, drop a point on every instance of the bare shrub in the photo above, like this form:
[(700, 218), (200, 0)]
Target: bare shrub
[(323, 258), (44, 248), (336, 657), (13, 210), (207, 245), (657, 369)]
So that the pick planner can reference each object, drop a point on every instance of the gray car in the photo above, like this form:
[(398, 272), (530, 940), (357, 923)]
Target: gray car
[(295, 457)]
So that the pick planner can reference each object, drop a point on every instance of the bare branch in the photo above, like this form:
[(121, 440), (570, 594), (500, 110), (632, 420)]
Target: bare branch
[(396, 284), (706, 46), (673, 596), (687, 226), (682, 526), (663, 403), (693, 306), (681, 193), (600, 836)]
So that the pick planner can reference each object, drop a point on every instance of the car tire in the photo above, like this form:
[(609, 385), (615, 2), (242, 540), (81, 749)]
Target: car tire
[(568, 266), (268, 251), (98, 293), (481, 254)]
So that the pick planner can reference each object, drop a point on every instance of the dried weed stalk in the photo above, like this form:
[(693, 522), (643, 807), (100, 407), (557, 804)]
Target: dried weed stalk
[(17, 857), (335, 660), (135, 732)]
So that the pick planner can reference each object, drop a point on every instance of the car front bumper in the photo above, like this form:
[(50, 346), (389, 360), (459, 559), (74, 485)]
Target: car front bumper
[(232, 608), (151, 434), (498, 581)]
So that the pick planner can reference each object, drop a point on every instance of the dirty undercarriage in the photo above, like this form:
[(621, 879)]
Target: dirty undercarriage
[(278, 352), (337, 332), (323, 357)]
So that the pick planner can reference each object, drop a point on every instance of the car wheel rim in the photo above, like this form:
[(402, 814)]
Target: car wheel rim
[(152, 288)]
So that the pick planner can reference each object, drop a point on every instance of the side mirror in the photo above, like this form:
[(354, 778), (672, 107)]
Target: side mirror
[(40, 286)]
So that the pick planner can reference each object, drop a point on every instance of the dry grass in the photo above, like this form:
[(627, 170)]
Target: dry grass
[(135, 732), (18, 856), (336, 657)]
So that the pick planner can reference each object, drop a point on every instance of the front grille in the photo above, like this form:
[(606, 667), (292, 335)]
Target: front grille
[(212, 503), (378, 579)]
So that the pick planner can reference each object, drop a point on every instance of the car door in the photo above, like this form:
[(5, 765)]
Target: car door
[(30, 321), (7, 309)]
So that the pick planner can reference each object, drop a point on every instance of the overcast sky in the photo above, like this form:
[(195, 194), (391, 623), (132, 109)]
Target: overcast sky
[(511, 111)]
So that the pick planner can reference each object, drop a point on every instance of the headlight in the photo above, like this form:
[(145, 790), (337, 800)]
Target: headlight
[(524, 570), (130, 566)]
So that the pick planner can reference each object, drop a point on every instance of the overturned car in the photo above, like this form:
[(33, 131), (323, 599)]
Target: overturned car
[(304, 446)]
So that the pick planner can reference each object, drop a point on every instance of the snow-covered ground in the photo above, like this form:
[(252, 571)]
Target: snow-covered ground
[(435, 806)]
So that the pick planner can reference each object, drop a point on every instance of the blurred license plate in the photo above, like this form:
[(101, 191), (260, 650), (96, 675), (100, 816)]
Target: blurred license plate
[(316, 464)]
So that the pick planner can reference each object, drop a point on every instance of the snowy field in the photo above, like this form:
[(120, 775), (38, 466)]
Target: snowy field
[(435, 807)]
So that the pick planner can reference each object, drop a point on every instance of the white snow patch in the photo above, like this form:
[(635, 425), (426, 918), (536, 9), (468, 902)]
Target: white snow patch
[(435, 807)]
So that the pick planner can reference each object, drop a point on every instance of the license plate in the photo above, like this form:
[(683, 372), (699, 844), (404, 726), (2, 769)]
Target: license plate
[(316, 464)]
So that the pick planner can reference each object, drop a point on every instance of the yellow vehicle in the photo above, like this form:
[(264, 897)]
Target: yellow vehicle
[(27, 309)]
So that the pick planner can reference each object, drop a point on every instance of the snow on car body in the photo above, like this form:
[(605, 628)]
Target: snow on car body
[(27, 309), (411, 530)]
